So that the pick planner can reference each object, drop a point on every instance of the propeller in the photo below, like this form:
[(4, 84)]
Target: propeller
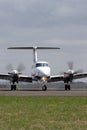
[(71, 67), (20, 67), (9, 67)]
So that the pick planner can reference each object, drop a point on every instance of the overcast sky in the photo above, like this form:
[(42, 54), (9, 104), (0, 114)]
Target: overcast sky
[(60, 23)]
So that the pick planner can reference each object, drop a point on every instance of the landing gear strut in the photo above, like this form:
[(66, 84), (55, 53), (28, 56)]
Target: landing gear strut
[(67, 86), (13, 87), (44, 88)]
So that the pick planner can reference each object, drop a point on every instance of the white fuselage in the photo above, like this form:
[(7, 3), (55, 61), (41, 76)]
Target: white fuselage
[(40, 70)]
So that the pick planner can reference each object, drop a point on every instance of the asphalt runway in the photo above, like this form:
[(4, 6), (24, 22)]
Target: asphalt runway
[(27, 92)]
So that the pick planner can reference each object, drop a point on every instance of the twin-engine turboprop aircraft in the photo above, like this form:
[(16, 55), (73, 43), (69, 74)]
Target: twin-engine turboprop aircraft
[(40, 72)]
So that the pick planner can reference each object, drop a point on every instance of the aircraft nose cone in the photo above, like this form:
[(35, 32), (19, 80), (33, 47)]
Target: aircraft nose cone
[(45, 72)]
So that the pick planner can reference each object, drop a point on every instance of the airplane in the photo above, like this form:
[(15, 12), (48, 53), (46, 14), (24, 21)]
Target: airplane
[(41, 72), (40, 69)]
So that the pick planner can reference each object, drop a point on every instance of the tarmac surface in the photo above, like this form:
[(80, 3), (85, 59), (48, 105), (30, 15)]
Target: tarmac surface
[(38, 92)]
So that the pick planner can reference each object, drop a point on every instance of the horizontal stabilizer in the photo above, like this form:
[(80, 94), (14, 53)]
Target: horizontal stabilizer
[(33, 48)]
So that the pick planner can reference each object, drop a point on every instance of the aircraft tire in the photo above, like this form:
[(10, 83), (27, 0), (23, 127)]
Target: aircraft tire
[(66, 86), (12, 87), (44, 88)]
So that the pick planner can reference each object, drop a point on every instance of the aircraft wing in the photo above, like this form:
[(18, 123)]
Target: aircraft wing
[(21, 78), (24, 78), (61, 77), (56, 78), (5, 76), (80, 75)]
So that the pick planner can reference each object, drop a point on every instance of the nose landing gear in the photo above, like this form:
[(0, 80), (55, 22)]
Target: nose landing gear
[(44, 88)]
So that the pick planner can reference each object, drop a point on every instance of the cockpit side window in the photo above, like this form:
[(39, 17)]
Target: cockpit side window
[(45, 64)]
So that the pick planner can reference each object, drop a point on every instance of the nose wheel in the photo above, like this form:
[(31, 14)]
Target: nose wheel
[(44, 88)]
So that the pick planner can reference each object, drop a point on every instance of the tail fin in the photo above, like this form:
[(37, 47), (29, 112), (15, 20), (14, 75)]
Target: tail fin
[(34, 50)]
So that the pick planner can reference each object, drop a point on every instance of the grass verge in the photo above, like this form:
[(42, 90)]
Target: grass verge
[(43, 113)]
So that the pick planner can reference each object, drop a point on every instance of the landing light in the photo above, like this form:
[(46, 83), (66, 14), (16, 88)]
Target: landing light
[(43, 78)]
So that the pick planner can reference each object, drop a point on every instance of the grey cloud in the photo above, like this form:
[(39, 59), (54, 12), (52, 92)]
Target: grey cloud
[(41, 13), (39, 19)]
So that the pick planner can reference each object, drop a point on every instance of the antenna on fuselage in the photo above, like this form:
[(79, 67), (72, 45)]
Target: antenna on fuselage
[(34, 50)]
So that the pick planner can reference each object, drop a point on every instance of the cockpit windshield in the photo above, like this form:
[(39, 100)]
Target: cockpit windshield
[(41, 64)]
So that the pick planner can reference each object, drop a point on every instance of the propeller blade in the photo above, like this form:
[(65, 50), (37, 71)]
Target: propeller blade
[(9, 67), (20, 67), (78, 71), (70, 65)]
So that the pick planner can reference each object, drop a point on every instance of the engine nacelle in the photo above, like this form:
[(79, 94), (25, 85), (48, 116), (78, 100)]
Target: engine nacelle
[(68, 77)]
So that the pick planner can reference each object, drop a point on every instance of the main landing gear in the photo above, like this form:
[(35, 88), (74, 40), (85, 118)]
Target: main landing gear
[(13, 87), (67, 86), (44, 88)]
